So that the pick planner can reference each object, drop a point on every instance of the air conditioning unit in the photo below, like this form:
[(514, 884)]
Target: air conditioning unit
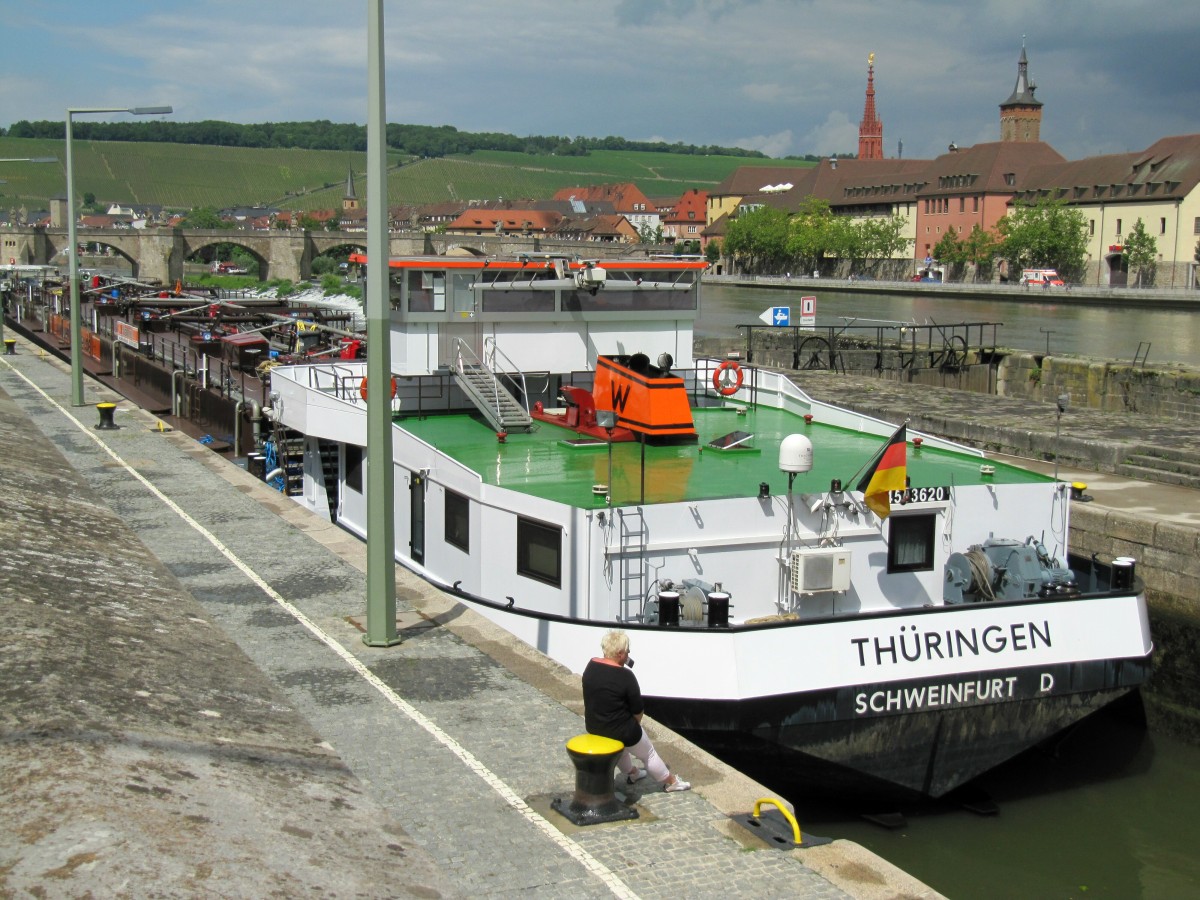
[(817, 571)]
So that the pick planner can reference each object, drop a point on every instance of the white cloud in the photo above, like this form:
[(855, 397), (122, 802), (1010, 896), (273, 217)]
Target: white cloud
[(837, 134), (775, 145)]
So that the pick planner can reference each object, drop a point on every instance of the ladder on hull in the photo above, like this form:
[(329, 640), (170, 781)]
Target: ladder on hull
[(633, 570)]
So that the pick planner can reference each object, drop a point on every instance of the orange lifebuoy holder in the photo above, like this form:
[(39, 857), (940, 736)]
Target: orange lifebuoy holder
[(727, 379), (362, 389)]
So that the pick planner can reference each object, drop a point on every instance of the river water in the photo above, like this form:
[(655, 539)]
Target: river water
[(1111, 810), (1108, 332)]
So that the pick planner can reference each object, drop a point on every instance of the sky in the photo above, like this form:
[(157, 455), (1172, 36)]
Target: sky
[(780, 76)]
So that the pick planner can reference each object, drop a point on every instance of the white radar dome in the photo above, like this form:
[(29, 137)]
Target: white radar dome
[(795, 454)]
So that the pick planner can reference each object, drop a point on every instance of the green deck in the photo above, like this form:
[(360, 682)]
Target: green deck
[(544, 465)]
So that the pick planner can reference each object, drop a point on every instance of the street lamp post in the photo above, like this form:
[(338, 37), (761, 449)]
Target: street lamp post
[(32, 159), (72, 255)]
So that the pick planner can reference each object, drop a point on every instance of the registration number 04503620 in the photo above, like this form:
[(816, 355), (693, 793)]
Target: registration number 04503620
[(920, 495)]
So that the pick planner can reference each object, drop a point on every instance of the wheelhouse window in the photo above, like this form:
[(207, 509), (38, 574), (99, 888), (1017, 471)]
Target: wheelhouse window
[(426, 291), (354, 467), (539, 551), (910, 542), (458, 521)]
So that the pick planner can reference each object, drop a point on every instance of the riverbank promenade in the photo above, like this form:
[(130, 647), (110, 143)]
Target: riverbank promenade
[(189, 710), (1180, 297)]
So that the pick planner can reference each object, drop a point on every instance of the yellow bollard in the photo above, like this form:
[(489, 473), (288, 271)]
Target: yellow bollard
[(594, 800)]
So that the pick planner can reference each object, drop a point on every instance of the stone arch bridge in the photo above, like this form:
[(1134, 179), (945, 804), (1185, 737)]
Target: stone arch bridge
[(158, 254)]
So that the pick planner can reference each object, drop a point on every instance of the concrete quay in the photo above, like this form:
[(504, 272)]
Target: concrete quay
[(189, 710)]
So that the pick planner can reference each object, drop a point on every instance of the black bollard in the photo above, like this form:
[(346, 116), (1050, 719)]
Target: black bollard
[(594, 801), (10, 346), (106, 417)]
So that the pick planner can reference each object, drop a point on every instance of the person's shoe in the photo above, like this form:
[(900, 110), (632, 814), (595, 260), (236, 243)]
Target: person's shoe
[(635, 776), (678, 785)]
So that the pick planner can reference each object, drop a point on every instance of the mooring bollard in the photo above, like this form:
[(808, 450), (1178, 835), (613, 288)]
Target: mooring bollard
[(106, 411), (10, 346), (594, 801)]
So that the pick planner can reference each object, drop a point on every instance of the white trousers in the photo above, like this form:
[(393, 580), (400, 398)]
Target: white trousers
[(644, 750)]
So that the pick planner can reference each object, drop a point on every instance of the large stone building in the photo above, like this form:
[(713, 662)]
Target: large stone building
[(977, 185)]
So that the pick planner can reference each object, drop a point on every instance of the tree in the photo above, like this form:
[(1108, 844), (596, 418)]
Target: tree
[(308, 222), (951, 252), (1048, 234), (758, 240), (814, 234), (205, 217), (980, 248), (713, 252), (1141, 252)]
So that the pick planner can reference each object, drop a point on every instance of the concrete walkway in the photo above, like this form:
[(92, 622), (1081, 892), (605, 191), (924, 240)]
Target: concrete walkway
[(188, 708)]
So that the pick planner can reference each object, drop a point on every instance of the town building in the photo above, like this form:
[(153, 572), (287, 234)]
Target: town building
[(627, 200), (977, 185)]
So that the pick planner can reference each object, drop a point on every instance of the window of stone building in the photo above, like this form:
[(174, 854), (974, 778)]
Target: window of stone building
[(1118, 227), (1162, 226)]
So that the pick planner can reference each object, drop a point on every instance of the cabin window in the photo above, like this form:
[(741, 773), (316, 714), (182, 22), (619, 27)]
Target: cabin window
[(910, 542), (539, 551), (458, 521), (354, 467), (426, 291)]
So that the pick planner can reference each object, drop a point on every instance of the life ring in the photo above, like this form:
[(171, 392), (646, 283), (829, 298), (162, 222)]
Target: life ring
[(362, 389), (728, 384)]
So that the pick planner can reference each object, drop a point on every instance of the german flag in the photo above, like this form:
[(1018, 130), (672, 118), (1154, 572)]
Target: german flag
[(885, 473)]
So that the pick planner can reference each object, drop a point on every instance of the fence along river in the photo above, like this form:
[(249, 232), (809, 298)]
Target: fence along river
[(1029, 323)]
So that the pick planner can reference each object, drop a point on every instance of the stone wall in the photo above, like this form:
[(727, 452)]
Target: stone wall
[(1160, 391), (1168, 562)]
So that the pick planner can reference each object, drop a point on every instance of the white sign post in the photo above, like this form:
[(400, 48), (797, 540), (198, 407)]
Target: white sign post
[(808, 312)]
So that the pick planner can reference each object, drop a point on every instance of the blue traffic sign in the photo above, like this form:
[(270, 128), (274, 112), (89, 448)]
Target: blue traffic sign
[(777, 315)]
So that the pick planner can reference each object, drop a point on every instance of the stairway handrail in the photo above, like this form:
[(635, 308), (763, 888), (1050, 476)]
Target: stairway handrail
[(464, 355), (489, 343)]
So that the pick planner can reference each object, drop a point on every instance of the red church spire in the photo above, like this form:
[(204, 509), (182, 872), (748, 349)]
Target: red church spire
[(870, 129)]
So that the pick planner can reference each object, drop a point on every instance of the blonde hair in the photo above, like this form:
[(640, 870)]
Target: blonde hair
[(613, 643)]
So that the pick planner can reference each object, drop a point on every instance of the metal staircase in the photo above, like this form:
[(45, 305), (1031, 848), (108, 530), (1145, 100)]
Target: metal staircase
[(483, 384)]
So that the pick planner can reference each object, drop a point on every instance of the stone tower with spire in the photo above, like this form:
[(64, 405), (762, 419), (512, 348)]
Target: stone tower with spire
[(1021, 113), (349, 199), (870, 129)]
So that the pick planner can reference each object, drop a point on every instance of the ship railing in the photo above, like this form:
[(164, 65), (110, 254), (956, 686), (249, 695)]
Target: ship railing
[(342, 382), (776, 389)]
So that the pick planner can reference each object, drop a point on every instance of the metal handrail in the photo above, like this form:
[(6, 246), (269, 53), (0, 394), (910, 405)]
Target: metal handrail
[(490, 342)]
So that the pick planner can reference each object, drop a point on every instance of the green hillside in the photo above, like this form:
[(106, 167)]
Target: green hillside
[(183, 176)]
